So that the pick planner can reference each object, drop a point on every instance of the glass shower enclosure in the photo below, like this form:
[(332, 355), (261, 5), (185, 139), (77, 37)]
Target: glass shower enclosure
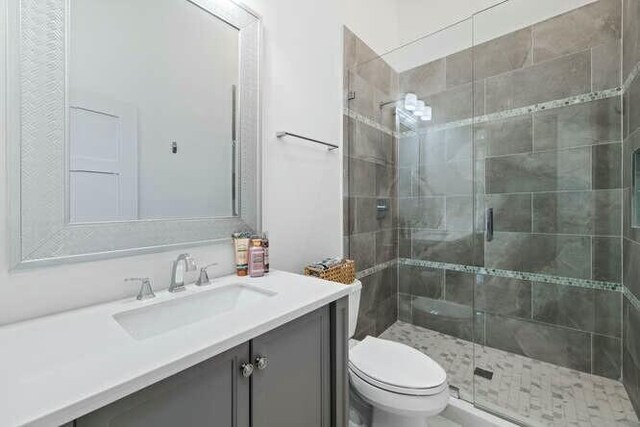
[(483, 198)]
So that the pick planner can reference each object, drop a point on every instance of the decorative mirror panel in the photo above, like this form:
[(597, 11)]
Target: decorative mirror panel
[(135, 127)]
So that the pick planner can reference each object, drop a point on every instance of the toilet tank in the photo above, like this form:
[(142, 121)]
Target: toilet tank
[(354, 306)]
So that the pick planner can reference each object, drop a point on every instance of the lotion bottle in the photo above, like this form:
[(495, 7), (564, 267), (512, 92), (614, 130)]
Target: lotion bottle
[(241, 243), (256, 258)]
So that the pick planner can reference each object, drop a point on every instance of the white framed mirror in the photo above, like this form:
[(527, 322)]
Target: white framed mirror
[(134, 126)]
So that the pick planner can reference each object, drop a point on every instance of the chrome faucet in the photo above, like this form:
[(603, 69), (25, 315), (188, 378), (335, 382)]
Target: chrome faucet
[(177, 284), (145, 291), (204, 280)]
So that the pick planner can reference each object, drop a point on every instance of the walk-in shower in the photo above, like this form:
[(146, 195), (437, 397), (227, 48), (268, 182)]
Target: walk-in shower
[(534, 133)]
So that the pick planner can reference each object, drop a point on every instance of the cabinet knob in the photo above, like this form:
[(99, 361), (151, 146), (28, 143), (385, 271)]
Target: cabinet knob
[(261, 362), (246, 369)]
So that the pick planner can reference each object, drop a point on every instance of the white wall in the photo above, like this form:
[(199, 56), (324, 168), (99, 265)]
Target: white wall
[(418, 18), (377, 22), (175, 64), (302, 76)]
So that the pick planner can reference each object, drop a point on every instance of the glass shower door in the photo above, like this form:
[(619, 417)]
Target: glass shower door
[(547, 171), (435, 202)]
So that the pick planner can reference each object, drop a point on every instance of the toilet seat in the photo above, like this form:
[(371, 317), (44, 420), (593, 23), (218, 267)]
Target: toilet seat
[(396, 368)]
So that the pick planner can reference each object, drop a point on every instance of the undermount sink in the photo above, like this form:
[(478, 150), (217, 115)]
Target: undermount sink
[(156, 319)]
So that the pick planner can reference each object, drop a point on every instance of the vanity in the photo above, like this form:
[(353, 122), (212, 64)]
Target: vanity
[(270, 351)]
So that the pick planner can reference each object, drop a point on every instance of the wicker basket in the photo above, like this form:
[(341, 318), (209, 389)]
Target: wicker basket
[(342, 273)]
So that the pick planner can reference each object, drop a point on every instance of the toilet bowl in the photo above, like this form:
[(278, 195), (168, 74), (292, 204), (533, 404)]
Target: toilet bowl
[(404, 386)]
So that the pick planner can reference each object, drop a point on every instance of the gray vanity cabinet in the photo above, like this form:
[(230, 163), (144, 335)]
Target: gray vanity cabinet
[(293, 389), (212, 393), (295, 382)]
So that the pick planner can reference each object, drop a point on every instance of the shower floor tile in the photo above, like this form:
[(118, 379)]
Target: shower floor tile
[(529, 391)]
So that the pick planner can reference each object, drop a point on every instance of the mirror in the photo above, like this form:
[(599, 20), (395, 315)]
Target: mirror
[(151, 108), (138, 128)]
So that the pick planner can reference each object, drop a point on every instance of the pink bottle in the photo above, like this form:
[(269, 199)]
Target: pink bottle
[(256, 259)]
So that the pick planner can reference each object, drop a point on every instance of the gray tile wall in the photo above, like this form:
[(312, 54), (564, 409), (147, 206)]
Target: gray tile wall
[(378, 303), (631, 244), (369, 175), (570, 170), (553, 178), (581, 29), (578, 328)]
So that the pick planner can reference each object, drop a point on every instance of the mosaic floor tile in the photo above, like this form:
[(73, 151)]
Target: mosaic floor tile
[(529, 391)]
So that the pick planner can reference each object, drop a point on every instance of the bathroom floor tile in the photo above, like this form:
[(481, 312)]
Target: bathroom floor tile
[(530, 391)]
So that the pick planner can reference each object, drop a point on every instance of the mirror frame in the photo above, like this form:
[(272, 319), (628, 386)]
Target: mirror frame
[(40, 233)]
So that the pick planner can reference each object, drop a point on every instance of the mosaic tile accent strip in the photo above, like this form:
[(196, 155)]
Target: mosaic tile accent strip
[(532, 277), (632, 298), (376, 268), (631, 77), (558, 103), (369, 122), (529, 391)]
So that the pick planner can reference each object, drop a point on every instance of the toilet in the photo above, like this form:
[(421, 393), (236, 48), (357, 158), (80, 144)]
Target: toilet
[(404, 386)]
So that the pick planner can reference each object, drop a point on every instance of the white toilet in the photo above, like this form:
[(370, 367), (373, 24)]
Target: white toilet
[(403, 385)]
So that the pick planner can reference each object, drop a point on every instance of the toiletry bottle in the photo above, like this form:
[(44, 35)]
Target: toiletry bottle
[(256, 258), (241, 243), (265, 246)]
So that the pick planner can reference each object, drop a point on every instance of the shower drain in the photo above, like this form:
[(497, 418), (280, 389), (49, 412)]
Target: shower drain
[(483, 373)]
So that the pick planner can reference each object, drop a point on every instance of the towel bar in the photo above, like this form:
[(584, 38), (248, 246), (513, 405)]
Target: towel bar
[(331, 146)]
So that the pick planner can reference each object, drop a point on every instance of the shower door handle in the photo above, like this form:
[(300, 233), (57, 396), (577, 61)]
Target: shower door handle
[(488, 218)]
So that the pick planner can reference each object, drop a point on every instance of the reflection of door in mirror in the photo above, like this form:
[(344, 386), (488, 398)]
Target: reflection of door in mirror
[(159, 144), (102, 160)]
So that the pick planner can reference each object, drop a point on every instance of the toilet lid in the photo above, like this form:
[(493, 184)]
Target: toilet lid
[(396, 367)]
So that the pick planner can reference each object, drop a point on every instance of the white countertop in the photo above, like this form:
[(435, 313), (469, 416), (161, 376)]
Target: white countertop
[(57, 368)]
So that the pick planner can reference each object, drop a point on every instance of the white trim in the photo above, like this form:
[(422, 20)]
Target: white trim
[(464, 413)]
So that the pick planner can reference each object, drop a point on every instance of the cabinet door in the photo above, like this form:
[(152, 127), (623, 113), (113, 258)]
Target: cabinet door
[(293, 390), (213, 393)]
